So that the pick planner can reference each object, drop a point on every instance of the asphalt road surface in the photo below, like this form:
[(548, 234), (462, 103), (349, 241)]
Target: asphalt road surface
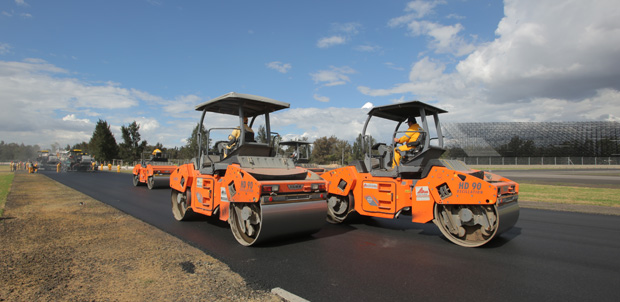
[(603, 178), (547, 256)]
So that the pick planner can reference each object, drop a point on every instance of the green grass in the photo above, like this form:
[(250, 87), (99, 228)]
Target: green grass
[(6, 179), (569, 195)]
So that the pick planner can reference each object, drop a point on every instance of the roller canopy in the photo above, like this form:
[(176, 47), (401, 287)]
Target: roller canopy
[(253, 105), (401, 111)]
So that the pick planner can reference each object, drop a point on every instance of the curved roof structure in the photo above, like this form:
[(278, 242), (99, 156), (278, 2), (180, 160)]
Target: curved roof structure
[(483, 139)]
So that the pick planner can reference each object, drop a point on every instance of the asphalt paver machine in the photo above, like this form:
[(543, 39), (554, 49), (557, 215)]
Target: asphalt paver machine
[(261, 195), (469, 206)]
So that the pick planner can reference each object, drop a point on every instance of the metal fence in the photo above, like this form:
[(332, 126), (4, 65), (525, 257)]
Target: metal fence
[(498, 160)]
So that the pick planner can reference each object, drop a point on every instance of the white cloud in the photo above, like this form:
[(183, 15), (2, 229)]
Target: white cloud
[(330, 41), (368, 48), (415, 10), (393, 66), (21, 3), (334, 76), (321, 98), (72, 118), (349, 125), (182, 106), (539, 54), (347, 28), (4, 48), (343, 33), (551, 60), (444, 38), (279, 66), (42, 105), (420, 8)]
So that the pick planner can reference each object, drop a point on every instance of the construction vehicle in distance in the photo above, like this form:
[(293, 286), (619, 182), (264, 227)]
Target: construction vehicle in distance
[(46, 160), (262, 196), (154, 172), (470, 207), (300, 152), (80, 161)]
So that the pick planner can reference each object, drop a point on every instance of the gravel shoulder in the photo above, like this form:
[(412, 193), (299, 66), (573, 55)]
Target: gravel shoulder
[(57, 244)]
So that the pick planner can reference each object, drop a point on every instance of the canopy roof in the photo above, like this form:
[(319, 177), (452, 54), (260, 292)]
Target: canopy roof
[(401, 111), (253, 105)]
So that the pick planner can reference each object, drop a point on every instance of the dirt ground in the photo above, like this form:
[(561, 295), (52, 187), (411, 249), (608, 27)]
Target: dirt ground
[(57, 244)]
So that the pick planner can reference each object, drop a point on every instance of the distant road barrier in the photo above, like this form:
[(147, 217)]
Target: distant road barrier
[(529, 161)]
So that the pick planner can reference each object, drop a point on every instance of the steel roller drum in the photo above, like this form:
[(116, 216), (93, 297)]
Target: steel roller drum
[(282, 220), (159, 181)]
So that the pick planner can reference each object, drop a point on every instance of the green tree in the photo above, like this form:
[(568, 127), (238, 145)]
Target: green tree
[(131, 148), (82, 146), (331, 149), (102, 144), (16, 152), (261, 134), (191, 147), (359, 148)]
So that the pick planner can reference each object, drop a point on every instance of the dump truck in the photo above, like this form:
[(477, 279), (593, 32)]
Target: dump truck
[(470, 207), (261, 195), (154, 172)]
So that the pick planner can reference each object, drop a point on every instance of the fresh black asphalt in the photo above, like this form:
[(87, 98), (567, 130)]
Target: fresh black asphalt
[(547, 256)]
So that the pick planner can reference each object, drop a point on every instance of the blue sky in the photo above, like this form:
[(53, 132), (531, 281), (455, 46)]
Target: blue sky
[(66, 64)]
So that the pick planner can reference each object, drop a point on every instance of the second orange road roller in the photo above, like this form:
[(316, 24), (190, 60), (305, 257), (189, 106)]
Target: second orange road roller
[(470, 207), (154, 172), (242, 181)]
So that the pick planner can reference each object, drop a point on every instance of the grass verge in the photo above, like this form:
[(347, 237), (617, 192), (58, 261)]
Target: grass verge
[(6, 179), (570, 195)]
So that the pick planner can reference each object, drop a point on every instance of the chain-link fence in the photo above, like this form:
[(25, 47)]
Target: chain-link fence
[(497, 160)]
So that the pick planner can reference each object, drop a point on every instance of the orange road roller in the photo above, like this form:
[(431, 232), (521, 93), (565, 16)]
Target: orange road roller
[(154, 172), (408, 177), (242, 181)]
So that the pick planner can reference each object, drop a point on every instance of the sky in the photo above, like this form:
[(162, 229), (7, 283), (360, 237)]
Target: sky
[(65, 65)]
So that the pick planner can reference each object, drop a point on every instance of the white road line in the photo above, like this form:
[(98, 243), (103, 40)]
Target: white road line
[(287, 295)]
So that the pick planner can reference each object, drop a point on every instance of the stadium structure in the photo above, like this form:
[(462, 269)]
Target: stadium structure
[(486, 139)]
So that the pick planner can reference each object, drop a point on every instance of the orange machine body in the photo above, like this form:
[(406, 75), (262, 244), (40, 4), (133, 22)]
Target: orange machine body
[(153, 173), (211, 194), (387, 197), (152, 170)]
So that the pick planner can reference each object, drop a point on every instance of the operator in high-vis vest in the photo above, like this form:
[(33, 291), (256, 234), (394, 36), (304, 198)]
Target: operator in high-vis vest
[(411, 135), (233, 138)]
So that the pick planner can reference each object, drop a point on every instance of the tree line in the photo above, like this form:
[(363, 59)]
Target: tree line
[(326, 150)]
